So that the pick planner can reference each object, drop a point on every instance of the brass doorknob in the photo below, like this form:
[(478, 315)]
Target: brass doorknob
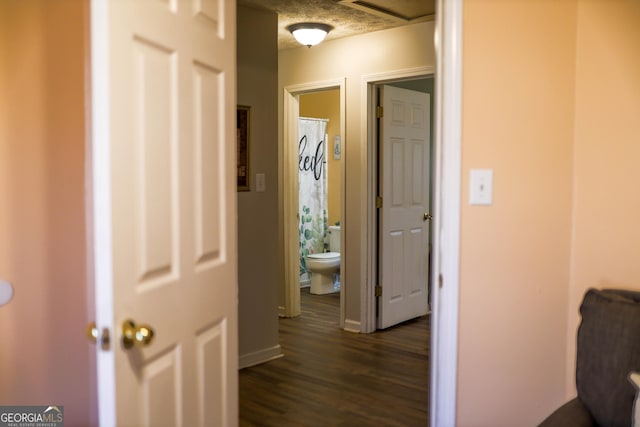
[(93, 332), (136, 335), (98, 336), (427, 217)]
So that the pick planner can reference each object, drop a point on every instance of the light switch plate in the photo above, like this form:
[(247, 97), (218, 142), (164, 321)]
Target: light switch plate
[(481, 187), (260, 183)]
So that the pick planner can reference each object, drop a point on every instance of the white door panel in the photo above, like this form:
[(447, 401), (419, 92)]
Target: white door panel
[(165, 209), (403, 230)]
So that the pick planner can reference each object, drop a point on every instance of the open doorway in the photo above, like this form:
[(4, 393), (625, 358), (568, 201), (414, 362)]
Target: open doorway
[(403, 171), (326, 101), (417, 80), (319, 187), (363, 71)]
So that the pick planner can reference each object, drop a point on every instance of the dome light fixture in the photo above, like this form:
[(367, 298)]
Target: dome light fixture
[(309, 33)]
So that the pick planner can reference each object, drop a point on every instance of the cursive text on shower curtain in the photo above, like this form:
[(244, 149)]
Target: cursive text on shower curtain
[(313, 162)]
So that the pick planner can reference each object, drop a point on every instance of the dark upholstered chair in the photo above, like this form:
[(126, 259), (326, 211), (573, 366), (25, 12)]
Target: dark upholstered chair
[(608, 350)]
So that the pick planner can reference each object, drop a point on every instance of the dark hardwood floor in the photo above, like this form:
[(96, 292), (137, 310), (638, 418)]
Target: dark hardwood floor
[(329, 377)]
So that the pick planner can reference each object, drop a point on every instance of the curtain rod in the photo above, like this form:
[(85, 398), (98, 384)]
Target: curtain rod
[(313, 118)]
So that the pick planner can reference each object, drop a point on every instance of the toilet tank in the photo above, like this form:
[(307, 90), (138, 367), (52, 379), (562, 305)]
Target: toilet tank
[(334, 238)]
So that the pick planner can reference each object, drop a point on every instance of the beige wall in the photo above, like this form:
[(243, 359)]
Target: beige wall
[(551, 100), (326, 105), (352, 58), (518, 100), (606, 195), (45, 357), (258, 272)]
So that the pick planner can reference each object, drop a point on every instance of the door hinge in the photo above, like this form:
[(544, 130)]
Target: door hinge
[(439, 281), (378, 202), (379, 112), (378, 291)]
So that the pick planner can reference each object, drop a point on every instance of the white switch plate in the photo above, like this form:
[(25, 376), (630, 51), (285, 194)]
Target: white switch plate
[(260, 183), (481, 187)]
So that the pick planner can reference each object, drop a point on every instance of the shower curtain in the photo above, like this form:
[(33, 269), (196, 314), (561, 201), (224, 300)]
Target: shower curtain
[(312, 178)]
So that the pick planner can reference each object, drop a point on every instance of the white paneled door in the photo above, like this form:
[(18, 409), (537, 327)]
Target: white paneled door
[(404, 220), (164, 216)]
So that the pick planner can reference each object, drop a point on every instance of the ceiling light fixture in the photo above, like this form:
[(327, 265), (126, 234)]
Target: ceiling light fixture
[(309, 33)]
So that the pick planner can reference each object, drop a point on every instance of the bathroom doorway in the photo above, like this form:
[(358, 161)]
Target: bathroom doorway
[(323, 101), (319, 181)]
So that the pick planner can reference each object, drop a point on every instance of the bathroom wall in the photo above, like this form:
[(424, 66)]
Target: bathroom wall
[(326, 105), (45, 357), (258, 269), (352, 58)]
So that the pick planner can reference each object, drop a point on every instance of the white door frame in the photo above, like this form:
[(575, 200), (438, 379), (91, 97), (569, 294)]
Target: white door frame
[(369, 264), (99, 253), (290, 189), (446, 208)]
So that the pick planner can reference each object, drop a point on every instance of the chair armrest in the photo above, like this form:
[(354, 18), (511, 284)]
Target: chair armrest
[(571, 414)]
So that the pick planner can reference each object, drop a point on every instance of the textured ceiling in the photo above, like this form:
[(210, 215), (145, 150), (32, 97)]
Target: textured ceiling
[(348, 17)]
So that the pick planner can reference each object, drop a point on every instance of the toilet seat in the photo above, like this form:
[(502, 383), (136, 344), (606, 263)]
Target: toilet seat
[(324, 255)]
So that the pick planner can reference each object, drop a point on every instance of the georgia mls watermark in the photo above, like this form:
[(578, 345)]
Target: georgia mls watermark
[(31, 416)]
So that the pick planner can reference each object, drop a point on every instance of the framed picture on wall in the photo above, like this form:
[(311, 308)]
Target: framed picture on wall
[(242, 146)]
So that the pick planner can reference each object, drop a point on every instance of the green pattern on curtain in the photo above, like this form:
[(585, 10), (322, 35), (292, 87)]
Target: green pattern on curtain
[(312, 180)]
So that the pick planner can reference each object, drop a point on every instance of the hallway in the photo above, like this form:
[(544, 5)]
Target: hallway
[(329, 377)]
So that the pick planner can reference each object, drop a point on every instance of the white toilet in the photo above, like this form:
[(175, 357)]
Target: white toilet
[(325, 267)]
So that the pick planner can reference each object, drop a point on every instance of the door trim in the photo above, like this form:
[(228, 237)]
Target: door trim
[(446, 208), (290, 193), (99, 254), (368, 186)]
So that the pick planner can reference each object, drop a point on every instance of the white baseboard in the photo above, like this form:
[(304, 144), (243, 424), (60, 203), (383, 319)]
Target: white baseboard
[(352, 326), (260, 356)]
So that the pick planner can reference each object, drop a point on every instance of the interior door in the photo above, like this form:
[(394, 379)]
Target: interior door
[(404, 216), (164, 216)]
